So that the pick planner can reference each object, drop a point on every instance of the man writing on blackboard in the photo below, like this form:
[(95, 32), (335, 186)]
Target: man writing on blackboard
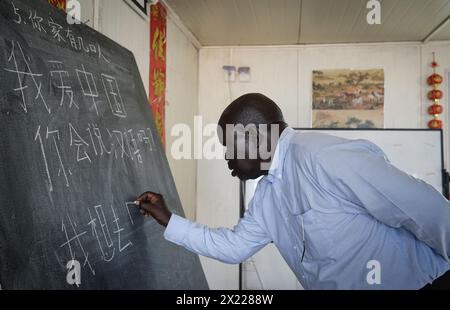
[(339, 213)]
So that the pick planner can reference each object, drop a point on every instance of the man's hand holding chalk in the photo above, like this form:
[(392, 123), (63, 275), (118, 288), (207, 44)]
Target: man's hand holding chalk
[(153, 204)]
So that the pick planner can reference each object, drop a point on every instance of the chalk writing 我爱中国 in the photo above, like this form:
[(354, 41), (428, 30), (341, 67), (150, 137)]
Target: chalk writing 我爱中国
[(20, 67)]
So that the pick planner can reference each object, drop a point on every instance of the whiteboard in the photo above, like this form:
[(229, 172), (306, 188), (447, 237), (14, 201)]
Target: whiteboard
[(417, 152)]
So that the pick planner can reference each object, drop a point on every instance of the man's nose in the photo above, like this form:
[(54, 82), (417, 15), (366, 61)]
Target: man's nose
[(230, 165)]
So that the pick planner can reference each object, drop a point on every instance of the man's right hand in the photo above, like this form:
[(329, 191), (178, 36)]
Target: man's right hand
[(153, 204)]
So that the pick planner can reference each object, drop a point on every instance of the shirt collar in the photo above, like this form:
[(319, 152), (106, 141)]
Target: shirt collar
[(276, 167)]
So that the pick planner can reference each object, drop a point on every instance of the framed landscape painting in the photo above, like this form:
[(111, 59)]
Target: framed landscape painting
[(348, 98)]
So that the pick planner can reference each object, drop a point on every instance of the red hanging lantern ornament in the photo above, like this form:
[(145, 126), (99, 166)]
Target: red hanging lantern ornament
[(435, 95), (434, 79)]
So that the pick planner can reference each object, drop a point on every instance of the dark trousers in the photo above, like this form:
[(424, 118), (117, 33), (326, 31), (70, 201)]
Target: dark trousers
[(441, 283)]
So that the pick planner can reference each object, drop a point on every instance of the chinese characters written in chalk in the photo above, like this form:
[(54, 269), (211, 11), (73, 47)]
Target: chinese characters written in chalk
[(85, 144), (29, 84), (58, 32), (107, 229)]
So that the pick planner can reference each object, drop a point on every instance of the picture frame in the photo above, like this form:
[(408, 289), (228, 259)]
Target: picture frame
[(139, 6)]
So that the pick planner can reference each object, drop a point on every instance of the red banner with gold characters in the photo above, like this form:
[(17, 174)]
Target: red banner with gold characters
[(60, 4), (158, 16)]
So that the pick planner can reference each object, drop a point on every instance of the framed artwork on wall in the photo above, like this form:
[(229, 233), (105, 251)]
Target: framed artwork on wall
[(347, 98), (140, 6)]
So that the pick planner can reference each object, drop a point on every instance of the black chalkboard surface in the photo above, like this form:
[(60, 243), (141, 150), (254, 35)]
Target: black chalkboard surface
[(77, 144)]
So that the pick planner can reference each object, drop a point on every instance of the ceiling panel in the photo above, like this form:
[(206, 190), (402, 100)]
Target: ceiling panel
[(323, 20), (236, 22), (444, 34), (278, 22)]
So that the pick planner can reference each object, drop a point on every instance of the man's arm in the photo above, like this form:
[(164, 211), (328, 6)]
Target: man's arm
[(361, 174), (227, 245)]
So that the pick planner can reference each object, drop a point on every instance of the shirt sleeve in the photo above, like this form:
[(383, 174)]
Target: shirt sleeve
[(362, 175), (230, 246)]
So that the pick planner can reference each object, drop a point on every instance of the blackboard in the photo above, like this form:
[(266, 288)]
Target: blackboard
[(77, 144)]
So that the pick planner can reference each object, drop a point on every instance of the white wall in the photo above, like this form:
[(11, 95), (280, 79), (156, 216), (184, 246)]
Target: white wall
[(88, 12), (118, 21), (181, 107), (285, 75), (401, 64), (442, 50)]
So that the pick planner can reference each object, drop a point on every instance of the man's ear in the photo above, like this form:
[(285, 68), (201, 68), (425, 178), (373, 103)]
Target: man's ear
[(268, 139)]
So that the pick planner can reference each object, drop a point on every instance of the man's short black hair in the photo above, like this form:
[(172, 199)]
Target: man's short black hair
[(253, 108)]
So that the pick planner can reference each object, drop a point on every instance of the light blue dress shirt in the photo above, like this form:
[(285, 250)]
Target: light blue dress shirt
[(332, 207)]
